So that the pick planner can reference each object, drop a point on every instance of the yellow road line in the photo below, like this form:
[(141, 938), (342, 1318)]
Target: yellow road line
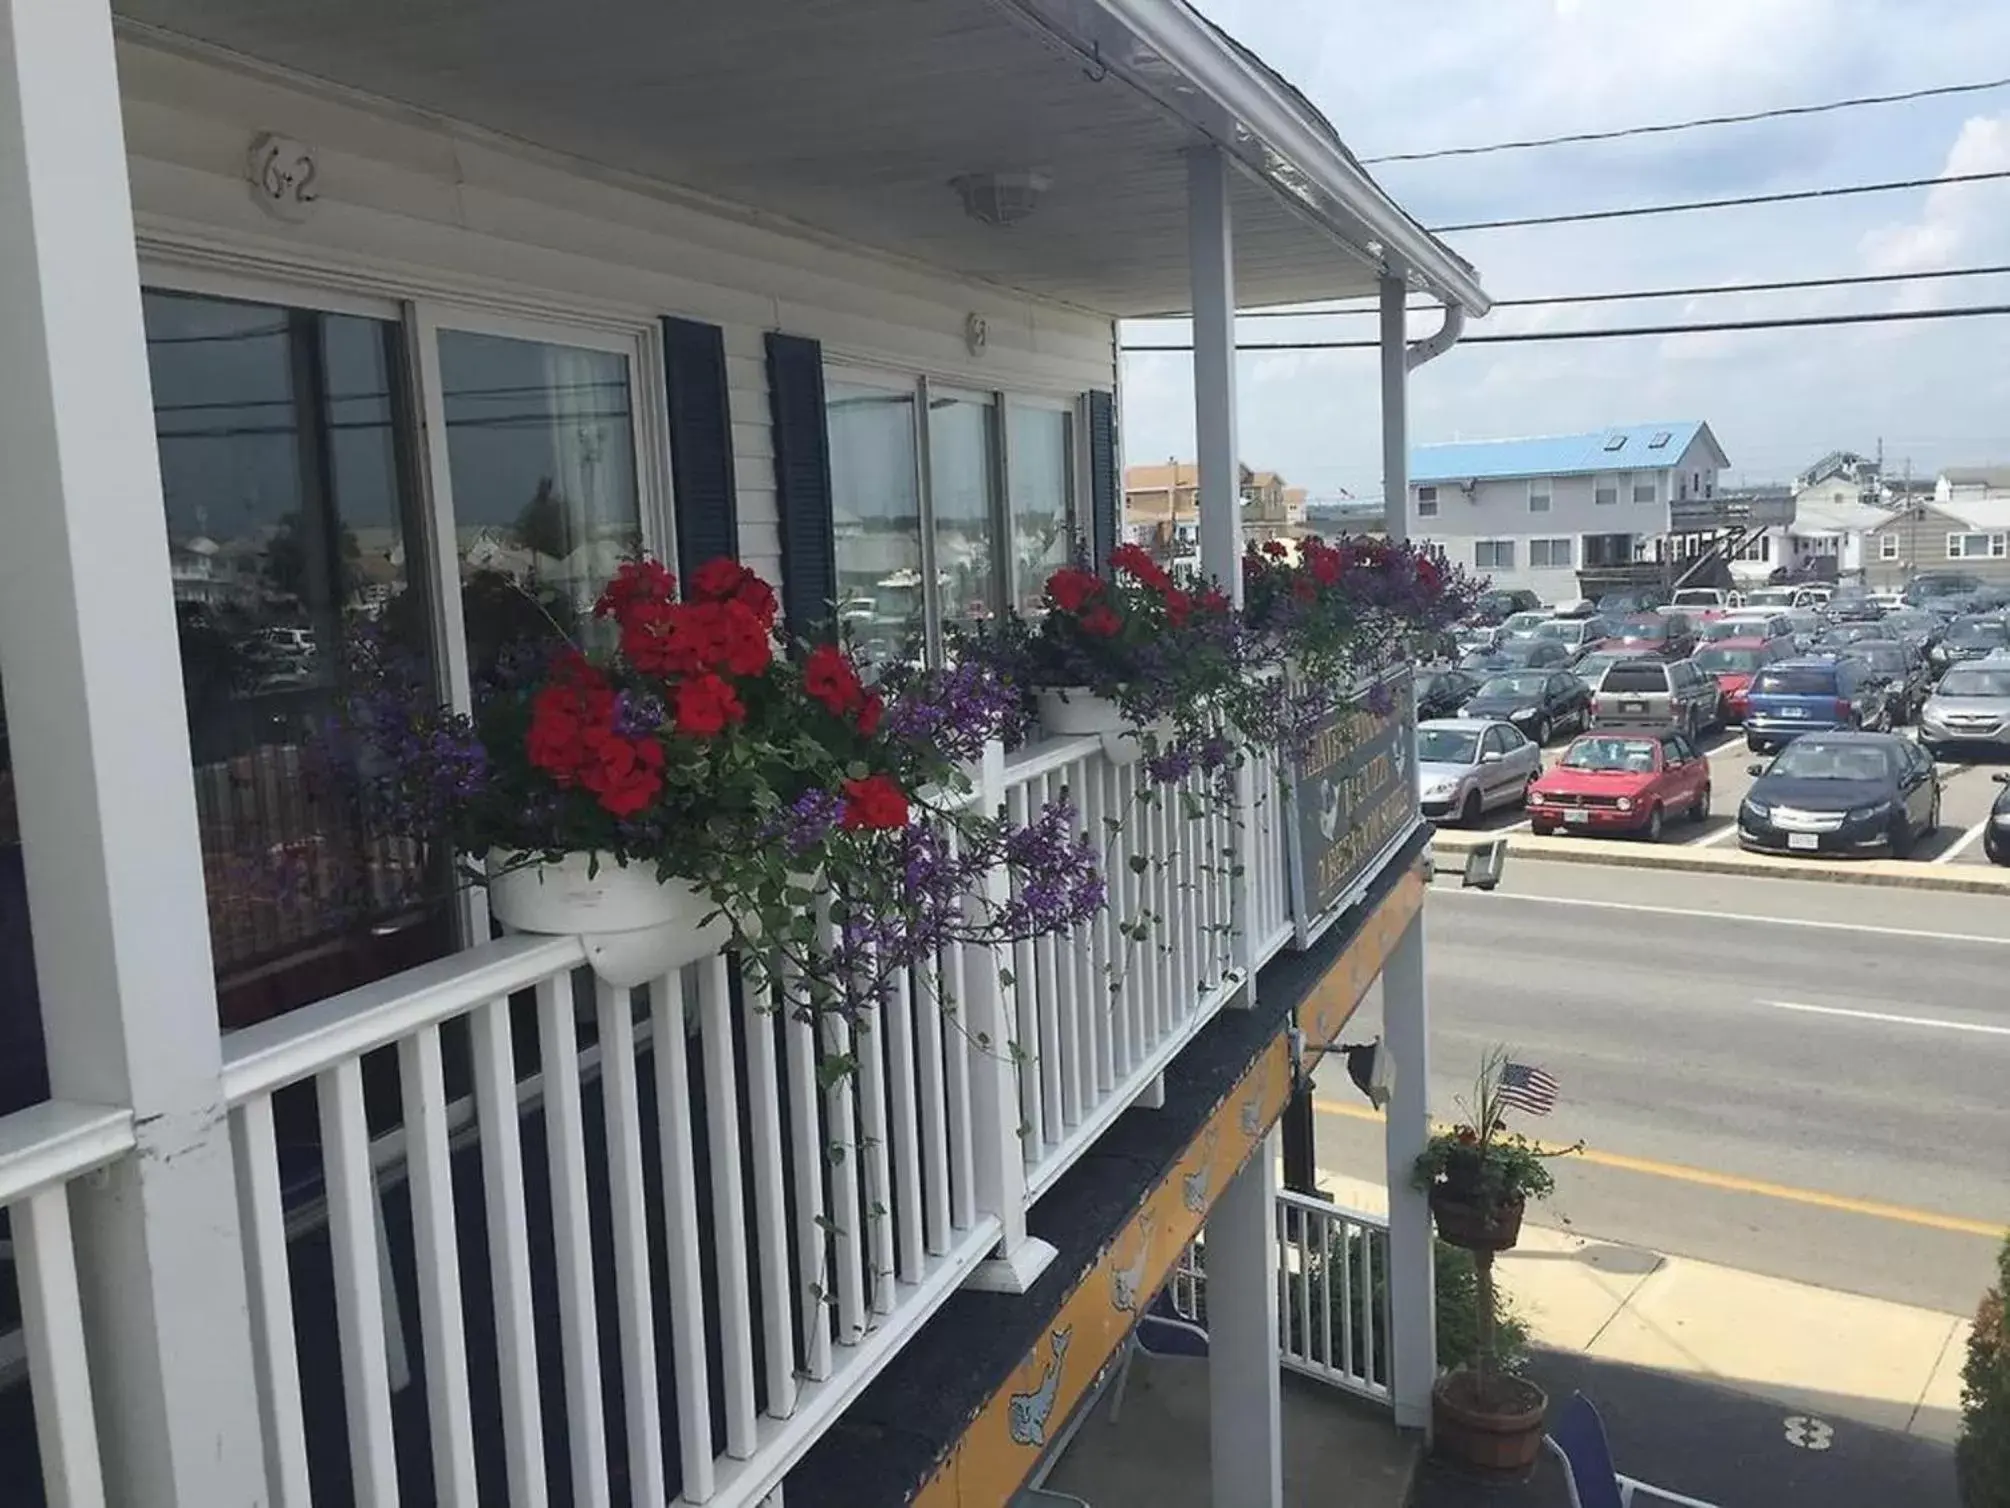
[(1732, 1183)]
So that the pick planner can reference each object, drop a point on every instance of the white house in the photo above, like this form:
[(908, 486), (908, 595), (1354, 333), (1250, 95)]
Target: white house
[(1529, 513), (1830, 524), (334, 1197)]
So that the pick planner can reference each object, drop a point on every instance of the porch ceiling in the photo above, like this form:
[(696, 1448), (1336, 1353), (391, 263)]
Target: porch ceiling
[(847, 116)]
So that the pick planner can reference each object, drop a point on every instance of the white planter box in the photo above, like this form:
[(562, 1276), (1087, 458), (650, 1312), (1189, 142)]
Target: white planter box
[(635, 927)]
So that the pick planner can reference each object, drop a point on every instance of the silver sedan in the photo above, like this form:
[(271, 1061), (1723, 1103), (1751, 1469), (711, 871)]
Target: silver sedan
[(1468, 766)]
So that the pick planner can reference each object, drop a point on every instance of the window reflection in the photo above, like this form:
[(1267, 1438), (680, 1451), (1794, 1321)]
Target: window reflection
[(876, 517), (1040, 466), (284, 456), (541, 455), (962, 488)]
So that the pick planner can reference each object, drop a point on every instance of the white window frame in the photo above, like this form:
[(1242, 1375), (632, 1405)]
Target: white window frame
[(1541, 488), (1652, 484), (1598, 486), (1993, 545), (1551, 542), (1427, 502), (1498, 546), (1887, 547)]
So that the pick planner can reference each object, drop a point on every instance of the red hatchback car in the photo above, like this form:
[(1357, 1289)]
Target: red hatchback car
[(1734, 662), (1621, 781)]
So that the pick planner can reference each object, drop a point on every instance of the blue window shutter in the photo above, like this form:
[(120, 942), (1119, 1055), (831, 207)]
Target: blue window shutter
[(701, 443), (802, 481), (1105, 494)]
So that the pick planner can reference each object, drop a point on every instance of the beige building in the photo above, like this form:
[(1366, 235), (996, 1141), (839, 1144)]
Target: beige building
[(1162, 507)]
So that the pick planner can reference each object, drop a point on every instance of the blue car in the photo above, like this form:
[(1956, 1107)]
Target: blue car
[(1794, 697)]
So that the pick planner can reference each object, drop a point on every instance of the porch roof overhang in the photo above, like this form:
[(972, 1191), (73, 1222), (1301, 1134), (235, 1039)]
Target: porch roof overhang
[(850, 121)]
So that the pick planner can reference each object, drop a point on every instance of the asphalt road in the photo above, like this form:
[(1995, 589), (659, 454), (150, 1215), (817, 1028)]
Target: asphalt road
[(1967, 791), (1806, 1080)]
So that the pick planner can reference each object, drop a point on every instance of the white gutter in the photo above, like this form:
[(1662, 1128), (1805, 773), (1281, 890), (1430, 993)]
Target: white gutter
[(1439, 341), (1178, 34)]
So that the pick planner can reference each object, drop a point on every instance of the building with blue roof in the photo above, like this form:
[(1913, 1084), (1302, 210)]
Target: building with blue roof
[(1533, 512)]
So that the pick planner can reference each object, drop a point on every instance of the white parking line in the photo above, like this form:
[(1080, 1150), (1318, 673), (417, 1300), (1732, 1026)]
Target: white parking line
[(1896, 1020), (1966, 838), (1502, 897), (1722, 834)]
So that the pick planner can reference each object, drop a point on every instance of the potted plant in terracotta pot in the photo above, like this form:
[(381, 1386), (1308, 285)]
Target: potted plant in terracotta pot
[(1480, 1177)]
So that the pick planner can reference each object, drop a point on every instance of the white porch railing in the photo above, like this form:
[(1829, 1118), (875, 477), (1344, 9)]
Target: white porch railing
[(1100, 1011), (44, 1149), (1332, 1291), (1270, 920)]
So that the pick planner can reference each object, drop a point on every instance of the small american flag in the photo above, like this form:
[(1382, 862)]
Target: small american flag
[(1526, 1088)]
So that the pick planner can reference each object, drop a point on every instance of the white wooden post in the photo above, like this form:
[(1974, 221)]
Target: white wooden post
[(101, 753), (1245, 1405), (1406, 1035), (1395, 411), (989, 1022), (1211, 269)]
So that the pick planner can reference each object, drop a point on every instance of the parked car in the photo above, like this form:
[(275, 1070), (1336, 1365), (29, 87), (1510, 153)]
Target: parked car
[(1915, 626), (1575, 634), (1842, 793), (1970, 638), (1484, 662), (1468, 637), (1535, 654), (1622, 780), (1802, 696), (1705, 597), (1732, 663), (1971, 705), (1747, 624), (1537, 702), (1441, 691), (1835, 639), (1665, 635), (1467, 766), (1590, 667), (1928, 585), (1625, 604), (1496, 603), (1655, 694), (1806, 595), (1522, 625), (1903, 667), (1996, 836), (1808, 623), (1854, 606)]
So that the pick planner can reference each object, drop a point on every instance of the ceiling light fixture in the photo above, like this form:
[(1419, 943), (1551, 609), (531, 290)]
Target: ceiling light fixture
[(1000, 198)]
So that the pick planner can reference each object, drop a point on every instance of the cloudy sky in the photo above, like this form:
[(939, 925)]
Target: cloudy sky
[(1458, 72)]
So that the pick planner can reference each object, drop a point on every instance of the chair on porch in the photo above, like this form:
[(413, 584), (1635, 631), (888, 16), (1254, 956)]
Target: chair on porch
[(1160, 1332), (1577, 1438)]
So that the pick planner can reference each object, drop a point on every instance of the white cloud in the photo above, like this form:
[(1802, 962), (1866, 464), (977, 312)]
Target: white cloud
[(1396, 78)]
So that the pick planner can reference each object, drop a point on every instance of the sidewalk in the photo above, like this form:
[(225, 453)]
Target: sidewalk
[(1822, 1355)]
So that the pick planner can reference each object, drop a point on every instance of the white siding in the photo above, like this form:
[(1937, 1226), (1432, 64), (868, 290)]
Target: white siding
[(416, 207)]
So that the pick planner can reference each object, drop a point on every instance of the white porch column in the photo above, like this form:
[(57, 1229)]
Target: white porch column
[(990, 1022), (1211, 265), (1245, 1407), (1395, 411), (1406, 1035), (100, 744)]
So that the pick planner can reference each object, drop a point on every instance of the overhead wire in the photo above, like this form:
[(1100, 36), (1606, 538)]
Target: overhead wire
[(1687, 206), (1783, 322), (1662, 128), (1701, 290)]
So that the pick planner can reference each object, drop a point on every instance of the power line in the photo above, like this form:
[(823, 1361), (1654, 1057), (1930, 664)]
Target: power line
[(1781, 112), (1788, 322), (1836, 191), (1851, 281)]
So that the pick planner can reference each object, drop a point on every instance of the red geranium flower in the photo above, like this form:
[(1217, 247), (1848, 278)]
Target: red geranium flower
[(1213, 600), (1133, 561), (1071, 589), (869, 714), (877, 801), (568, 716), (736, 640), (638, 581), (757, 597), (1179, 608), (705, 705), (831, 678), (1275, 549), (1326, 567), (1102, 622), (716, 580), (626, 774)]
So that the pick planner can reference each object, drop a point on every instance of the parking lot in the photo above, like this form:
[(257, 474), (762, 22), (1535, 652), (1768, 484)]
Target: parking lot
[(1966, 793)]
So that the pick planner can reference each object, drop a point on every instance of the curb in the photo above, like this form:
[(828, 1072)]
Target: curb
[(1620, 854)]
